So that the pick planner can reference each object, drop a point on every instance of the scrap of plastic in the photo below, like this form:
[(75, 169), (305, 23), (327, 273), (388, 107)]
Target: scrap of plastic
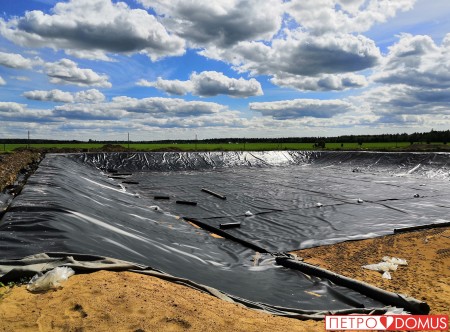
[(319, 205), (248, 214), (381, 267), (395, 260), (386, 275), (50, 280), (156, 208)]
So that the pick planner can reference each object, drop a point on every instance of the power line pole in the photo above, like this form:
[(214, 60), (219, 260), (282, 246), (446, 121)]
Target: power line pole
[(128, 141), (28, 139)]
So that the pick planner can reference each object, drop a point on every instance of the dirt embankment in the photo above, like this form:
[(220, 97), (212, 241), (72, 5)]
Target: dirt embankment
[(13, 164)]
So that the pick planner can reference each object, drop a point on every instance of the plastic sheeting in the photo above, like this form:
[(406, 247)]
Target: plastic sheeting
[(68, 206), (429, 165), (282, 191), (14, 270)]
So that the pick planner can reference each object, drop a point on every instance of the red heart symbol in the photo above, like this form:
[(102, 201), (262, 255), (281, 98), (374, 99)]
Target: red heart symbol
[(386, 321)]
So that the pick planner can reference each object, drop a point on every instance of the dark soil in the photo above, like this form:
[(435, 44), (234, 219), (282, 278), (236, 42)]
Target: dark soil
[(12, 165)]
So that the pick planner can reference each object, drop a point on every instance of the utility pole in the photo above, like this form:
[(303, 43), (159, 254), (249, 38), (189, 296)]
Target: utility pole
[(128, 141), (28, 139), (196, 138)]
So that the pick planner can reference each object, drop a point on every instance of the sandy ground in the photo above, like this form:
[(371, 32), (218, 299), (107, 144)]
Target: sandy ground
[(125, 301), (426, 277)]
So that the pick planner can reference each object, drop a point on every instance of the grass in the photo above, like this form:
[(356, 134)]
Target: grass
[(389, 146)]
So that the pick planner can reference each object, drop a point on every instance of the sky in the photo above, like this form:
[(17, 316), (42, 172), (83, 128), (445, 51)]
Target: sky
[(180, 69)]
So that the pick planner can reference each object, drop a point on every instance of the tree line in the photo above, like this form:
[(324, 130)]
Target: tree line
[(425, 137)]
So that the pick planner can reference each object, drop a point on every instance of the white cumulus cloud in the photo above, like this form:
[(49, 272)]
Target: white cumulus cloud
[(417, 61), (173, 87), (66, 71), (303, 61), (52, 95), (208, 84), (300, 108), (55, 95), (15, 112), (92, 29), (344, 16), (218, 22), (17, 61), (323, 82), (163, 107)]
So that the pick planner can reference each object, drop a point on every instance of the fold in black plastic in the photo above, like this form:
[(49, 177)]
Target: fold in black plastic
[(226, 235), (409, 304)]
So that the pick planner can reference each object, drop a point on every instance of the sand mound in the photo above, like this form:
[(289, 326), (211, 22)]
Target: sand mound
[(125, 301)]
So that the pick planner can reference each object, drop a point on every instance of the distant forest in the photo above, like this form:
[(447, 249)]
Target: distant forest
[(428, 137)]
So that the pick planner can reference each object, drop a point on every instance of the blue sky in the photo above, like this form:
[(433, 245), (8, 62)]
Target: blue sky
[(163, 69)]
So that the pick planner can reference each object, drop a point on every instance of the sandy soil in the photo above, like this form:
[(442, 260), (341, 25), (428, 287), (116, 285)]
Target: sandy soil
[(426, 277), (124, 301)]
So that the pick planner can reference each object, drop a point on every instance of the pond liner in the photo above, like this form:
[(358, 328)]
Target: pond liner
[(388, 298), (16, 269), (226, 235), (282, 188), (420, 227), (214, 193), (68, 205)]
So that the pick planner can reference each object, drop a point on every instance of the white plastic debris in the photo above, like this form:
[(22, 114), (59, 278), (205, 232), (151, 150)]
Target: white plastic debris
[(381, 267), (50, 280), (395, 260), (248, 214), (388, 264), (360, 200), (156, 208), (319, 205)]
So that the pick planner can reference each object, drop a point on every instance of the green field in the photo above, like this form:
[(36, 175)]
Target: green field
[(391, 146)]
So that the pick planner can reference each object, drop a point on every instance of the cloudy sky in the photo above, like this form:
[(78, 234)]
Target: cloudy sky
[(163, 69)]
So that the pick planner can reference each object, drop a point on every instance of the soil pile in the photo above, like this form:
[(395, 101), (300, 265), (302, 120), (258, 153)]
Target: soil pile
[(12, 164)]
